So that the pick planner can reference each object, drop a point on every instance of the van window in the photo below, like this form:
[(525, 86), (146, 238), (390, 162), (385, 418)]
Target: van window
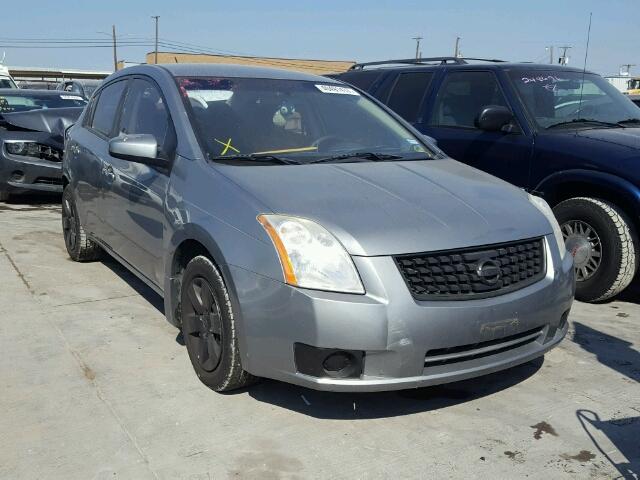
[(408, 92), (462, 97)]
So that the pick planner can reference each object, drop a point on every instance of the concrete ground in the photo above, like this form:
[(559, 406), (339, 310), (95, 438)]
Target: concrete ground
[(95, 384)]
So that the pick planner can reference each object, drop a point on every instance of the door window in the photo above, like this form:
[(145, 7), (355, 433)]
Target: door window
[(106, 108), (364, 80), (145, 112), (408, 92), (463, 95)]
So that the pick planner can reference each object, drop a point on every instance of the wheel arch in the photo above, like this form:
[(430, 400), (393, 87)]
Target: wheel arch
[(561, 186), (187, 243)]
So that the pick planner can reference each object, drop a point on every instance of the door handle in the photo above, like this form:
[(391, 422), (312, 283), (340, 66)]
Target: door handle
[(108, 172)]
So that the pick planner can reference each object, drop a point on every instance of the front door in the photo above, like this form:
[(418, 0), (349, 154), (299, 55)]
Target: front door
[(89, 153), (135, 193), (451, 121)]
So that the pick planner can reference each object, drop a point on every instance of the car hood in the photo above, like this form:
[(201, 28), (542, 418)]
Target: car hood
[(51, 120), (621, 137), (389, 208)]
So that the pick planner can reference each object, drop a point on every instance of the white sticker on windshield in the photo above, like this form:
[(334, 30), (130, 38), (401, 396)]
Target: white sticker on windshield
[(71, 97), (336, 89)]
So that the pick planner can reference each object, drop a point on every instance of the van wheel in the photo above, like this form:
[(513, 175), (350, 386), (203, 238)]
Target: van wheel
[(79, 247), (4, 196), (208, 327), (600, 238)]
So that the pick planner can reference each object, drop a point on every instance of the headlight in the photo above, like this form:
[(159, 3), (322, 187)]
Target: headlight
[(310, 256), (29, 149), (544, 207)]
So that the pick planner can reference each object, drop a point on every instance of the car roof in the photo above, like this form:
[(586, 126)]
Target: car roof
[(31, 91), (225, 70), (488, 65)]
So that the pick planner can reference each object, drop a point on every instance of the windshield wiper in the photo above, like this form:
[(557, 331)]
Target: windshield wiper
[(585, 120), (629, 121), (373, 156), (255, 157)]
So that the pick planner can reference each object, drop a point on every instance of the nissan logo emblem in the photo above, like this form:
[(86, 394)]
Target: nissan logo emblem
[(489, 271)]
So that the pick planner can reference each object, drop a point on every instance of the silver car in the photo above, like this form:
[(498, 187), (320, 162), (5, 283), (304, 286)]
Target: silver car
[(301, 231)]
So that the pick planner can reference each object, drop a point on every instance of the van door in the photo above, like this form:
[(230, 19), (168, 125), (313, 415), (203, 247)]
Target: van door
[(451, 121)]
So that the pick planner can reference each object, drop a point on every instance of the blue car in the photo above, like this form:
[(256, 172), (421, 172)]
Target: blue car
[(558, 132)]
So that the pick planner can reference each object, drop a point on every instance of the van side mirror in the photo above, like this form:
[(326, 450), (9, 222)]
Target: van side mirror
[(141, 148), (493, 117)]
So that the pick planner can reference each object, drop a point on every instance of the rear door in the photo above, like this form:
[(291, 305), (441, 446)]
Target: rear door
[(407, 96), (89, 151), (135, 194), (451, 121)]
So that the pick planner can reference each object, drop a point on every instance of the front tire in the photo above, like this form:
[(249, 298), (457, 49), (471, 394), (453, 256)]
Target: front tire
[(79, 247), (208, 327), (601, 240)]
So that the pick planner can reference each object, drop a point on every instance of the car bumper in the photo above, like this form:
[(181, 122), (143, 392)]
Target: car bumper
[(23, 174), (405, 343)]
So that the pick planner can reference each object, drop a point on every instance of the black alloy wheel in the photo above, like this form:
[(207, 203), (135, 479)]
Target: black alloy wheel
[(202, 324)]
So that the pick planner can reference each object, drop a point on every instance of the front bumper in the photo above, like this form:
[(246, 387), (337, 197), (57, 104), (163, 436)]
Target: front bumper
[(394, 330), (22, 174)]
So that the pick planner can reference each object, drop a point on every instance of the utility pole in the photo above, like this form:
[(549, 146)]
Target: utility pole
[(115, 54), (564, 60), (456, 51), (417, 39), (550, 50), (628, 67), (156, 17)]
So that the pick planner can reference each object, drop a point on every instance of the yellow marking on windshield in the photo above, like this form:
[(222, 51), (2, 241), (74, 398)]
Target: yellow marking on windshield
[(226, 146), (290, 150)]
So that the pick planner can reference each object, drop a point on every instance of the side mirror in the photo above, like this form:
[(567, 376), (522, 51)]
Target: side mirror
[(493, 117), (141, 148)]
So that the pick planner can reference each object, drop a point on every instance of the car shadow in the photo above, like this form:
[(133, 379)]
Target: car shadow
[(609, 350), (27, 202), (621, 433), (134, 282), (361, 406)]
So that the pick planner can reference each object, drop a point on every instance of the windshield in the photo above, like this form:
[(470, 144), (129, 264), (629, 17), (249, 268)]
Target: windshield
[(299, 120), (553, 98), (634, 84), (7, 83), (20, 102)]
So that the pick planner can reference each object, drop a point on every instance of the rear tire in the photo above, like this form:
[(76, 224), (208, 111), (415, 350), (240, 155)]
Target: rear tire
[(208, 327), (600, 238), (79, 247)]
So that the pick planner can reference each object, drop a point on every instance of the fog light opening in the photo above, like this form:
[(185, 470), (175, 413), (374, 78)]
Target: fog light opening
[(563, 320), (17, 176), (339, 364)]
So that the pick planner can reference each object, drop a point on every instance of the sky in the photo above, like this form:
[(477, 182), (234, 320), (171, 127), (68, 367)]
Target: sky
[(328, 29)]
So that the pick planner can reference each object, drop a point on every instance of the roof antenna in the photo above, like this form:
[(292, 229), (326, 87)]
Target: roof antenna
[(584, 70)]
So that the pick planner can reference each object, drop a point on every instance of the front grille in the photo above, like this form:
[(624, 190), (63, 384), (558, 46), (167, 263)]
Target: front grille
[(470, 273), (463, 353)]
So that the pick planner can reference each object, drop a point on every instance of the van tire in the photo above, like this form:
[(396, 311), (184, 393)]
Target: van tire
[(618, 261), (210, 334), (4, 195), (79, 246)]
